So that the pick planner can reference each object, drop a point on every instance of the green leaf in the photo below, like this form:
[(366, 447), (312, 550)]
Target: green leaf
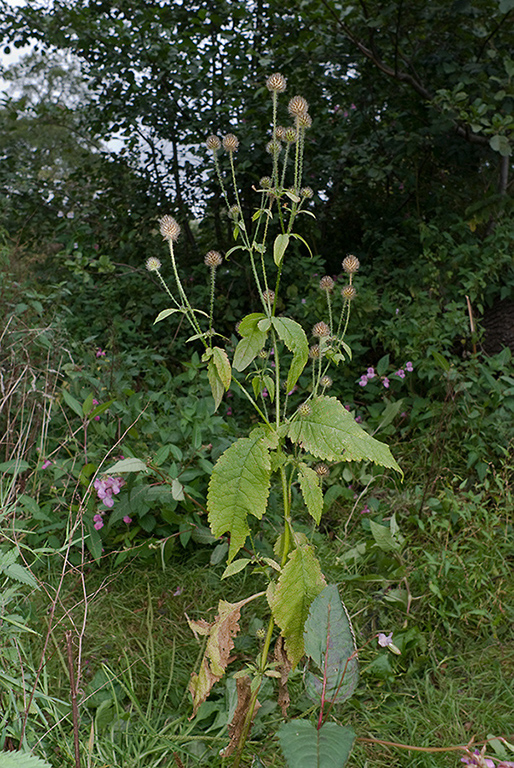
[(127, 465), (311, 491), (239, 486), (295, 340), (500, 144), (506, 6), (252, 342), (299, 583), (177, 490), (87, 405), (22, 760), (387, 539), (441, 361), (20, 573), (14, 466), (279, 248), (329, 642), (166, 313), (299, 237), (222, 363), (235, 566), (304, 746), (216, 383), (72, 402), (330, 432)]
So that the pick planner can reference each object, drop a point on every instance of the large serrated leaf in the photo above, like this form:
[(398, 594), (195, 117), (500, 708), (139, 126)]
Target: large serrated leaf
[(299, 583), (311, 491), (330, 643), (295, 340), (239, 486), (330, 432), (304, 746), (22, 760)]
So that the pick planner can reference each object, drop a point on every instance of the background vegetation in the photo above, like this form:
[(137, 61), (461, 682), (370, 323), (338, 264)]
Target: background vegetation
[(102, 131)]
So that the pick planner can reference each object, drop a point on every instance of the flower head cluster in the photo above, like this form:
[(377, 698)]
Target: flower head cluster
[(106, 487), (213, 259), (230, 142), (320, 329), (326, 283), (351, 264), (276, 83), (370, 374)]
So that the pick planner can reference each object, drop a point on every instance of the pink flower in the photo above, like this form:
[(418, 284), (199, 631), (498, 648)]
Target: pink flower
[(385, 382), (229, 411), (365, 510), (98, 525), (370, 373), (477, 759), (127, 519), (106, 487), (47, 463), (100, 352), (385, 640), (409, 367), (358, 419), (363, 380), (178, 591), (401, 373)]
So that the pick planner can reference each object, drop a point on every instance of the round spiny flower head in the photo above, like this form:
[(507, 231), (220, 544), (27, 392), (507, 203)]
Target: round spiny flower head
[(290, 135), (230, 142), (351, 264), (234, 211), (276, 82), (274, 147), (269, 297), (326, 283), (265, 182), (321, 470), (305, 120), (297, 106), (307, 192), (280, 132), (153, 264), (213, 259), (169, 228), (263, 354), (304, 409), (320, 330), (213, 143), (261, 633), (326, 382), (348, 292), (314, 352)]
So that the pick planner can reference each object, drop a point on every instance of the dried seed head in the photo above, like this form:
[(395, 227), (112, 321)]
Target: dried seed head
[(297, 106), (274, 147), (290, 135), (234, 211), (304, 120), (153, 264), (280, 132), (320, 330), (321, 470), (213, 143), (314, 352), (326, 283), (269, 297), (265, 182), (213, 259), (351, 264), (276, 82), (304, 409), (307, 192), (326, 382), (230, 142), (169, 228), (348, 292)]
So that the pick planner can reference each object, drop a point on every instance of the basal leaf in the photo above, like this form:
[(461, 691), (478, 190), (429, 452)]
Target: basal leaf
[(239, 486), (299, 583), (311, 491), (295, 340), (330, 432), (329, 642), (304, 746)]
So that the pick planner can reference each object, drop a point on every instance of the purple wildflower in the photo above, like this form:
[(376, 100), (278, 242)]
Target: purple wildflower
[(409, 367), (385, 382), (385, 640), (106, 487), (401, 373), (370, 373), (127, 519), (47, 463), (363, 380), (100, 352)]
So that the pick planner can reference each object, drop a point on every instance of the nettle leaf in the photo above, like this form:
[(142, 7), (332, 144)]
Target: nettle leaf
[(304, 746), (219, 645), (330, 432), (311, 491), (329, 642), (279, 248), (295, 340), (252, 342), (239, 486), (23, 760), (299, 583)]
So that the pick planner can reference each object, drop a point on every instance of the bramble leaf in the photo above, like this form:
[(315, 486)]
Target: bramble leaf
[(239, 486), (299, 583), (295, 340), (330, 432), (311, 491)]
